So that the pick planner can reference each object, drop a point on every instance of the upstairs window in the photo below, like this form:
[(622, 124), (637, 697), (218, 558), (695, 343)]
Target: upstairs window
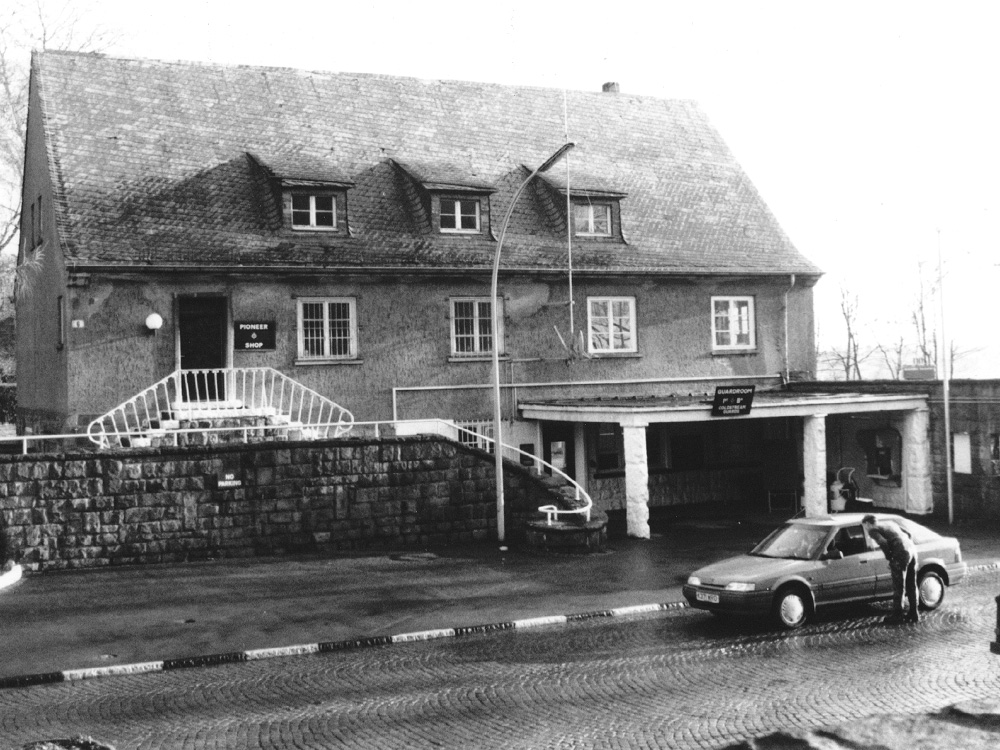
[(611, 325), (316, 212), (472, 327), (733, 323), (592, 219), (460, 215), (328, 328)]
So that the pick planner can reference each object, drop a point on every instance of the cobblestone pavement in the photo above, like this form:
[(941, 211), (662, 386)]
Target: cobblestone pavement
[(680, 680)]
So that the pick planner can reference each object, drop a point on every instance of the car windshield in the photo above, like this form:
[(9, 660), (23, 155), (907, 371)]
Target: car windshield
[(793, 541)]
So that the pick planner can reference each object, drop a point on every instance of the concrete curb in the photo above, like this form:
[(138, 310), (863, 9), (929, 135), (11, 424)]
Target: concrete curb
[(71, 675)]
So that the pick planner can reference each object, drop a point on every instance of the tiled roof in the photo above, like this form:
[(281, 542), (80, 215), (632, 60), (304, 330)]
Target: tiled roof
[(152, 164)]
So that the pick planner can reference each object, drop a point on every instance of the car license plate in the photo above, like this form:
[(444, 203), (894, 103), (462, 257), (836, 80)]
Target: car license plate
[(701, 596)]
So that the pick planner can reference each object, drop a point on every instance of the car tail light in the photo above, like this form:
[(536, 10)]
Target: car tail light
[(958, 553)]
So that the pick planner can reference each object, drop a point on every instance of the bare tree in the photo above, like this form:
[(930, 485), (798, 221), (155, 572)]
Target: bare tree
[(927, 346), (849, 310), (893, 357), (26, 25)]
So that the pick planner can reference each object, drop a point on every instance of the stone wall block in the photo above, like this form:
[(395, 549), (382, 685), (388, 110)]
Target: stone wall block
[(74, 469), (92, 523), (22, 517)]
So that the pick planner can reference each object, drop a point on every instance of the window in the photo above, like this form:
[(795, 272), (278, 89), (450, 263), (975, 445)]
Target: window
[(850, 540), (609, 448), (883, 450), (611, 325), (961, 445), (472, 327), (732, 323), (328, 328), (476, 435), (592, 219), (317, 212), (459, 215)]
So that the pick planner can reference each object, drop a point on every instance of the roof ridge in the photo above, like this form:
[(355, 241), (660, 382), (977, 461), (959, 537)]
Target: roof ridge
[(359, 74)]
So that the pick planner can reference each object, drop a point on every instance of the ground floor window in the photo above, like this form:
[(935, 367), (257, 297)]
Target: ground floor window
[(609, 448), (472, 326), (732, 323), (477, 434), (328, 328), (611, 325)]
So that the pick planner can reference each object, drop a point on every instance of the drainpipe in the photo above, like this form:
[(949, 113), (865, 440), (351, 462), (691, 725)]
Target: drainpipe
[(790, 287)]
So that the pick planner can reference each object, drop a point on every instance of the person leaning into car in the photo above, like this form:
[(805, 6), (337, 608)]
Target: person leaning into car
[(897, 545)]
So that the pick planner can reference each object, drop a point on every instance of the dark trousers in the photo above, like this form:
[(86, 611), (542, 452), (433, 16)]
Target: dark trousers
[(904, 585)]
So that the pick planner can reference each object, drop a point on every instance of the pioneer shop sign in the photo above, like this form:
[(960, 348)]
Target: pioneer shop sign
[(253, 335)]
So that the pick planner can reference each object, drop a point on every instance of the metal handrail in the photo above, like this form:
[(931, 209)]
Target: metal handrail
[(551, 511), (222, 392)]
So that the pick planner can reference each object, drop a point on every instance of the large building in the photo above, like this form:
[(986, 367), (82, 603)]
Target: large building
[(353, 221)]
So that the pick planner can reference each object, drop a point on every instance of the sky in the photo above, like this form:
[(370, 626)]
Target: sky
[(870, 128)]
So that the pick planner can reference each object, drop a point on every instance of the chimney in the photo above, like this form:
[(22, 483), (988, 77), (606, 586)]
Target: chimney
[(611, 87)]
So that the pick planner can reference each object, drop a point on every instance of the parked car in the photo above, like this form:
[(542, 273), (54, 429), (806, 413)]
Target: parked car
[(808, 563)]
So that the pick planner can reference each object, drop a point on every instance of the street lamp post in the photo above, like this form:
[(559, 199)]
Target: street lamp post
[(497, 442)]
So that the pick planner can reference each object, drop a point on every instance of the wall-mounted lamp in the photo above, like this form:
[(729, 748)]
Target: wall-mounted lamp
[(154, 323)]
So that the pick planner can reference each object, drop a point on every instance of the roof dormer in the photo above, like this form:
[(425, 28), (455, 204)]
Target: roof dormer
[(449, 200), (595, 206), (312, 192)]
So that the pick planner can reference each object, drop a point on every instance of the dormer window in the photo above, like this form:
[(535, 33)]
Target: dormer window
[(592, 219), (314, 212), (595, 206), (313, 191), (460, 215), (446, 199)]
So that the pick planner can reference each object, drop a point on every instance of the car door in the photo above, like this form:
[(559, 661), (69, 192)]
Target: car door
[(852, 576), (883, 574)]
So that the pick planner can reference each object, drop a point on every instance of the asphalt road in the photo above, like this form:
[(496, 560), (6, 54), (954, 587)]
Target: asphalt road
[(682, 679)]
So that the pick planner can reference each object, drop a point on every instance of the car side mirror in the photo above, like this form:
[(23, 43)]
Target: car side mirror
[(834, 554)]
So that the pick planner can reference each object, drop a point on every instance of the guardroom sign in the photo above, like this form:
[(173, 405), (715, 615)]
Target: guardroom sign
[(253, 335), (732, 400)]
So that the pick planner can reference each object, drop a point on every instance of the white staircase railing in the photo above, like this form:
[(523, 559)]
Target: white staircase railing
[(552, 513), (224, 393)]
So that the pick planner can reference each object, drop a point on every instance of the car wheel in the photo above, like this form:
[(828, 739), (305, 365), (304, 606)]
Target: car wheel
[(930, 590), (791, 608)]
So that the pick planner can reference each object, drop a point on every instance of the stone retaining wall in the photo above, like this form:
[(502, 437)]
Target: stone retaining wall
[(188, 503)]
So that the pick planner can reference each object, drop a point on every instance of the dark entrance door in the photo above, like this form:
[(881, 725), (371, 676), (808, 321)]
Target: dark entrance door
[(558, 447), (201, 322)]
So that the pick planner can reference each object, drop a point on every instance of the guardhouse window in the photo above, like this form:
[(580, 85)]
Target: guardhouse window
[(460, 215), (314, 211), (609, 448), (883, 452), (592, 219)]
